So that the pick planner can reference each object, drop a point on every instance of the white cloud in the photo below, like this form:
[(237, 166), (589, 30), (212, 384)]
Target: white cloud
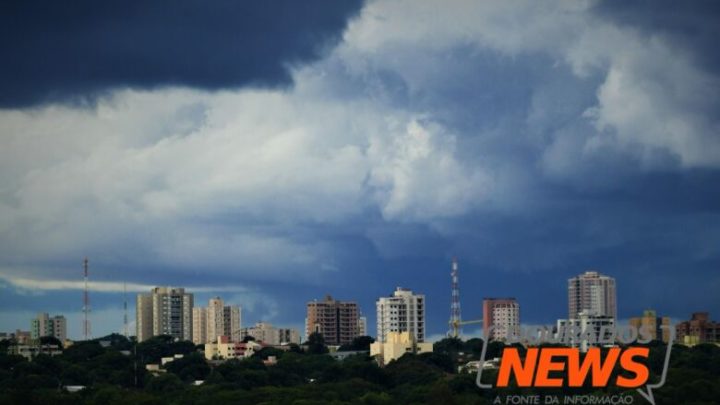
[(228, 180)]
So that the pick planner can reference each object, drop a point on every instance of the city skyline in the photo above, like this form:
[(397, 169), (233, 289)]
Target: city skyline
[(503, 313), (348, 148)]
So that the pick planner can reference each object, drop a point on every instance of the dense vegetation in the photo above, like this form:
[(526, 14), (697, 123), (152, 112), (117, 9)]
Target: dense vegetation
[(116, 375)]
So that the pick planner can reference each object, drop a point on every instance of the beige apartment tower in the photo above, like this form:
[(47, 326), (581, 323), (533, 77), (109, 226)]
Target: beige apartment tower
[(164, 311), (217, 319), (593, 294), (336, 321)]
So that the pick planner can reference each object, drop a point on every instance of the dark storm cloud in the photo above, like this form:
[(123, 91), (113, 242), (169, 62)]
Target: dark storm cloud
[(58, 51), (692, 25)]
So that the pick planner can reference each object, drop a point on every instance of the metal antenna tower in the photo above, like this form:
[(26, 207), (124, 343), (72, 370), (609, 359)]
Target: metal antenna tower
[(86, 304), (455, 318), (125, 322)]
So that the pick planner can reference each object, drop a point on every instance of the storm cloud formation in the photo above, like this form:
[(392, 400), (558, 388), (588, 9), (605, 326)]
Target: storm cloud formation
[(74, 51), (531, 140)]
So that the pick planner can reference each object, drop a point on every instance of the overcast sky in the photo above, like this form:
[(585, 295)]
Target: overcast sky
[(275, 152)]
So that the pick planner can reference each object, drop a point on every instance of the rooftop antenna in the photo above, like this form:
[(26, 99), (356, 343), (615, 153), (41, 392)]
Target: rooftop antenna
[(86, 304)]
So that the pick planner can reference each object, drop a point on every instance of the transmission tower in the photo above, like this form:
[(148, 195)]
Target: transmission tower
[(455, 318), (86, 304), (125, 321)]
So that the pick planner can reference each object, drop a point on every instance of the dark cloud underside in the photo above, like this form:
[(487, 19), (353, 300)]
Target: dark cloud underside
[(73, 50), (692, 25)]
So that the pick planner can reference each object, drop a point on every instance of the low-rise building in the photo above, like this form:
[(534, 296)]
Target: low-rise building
[(699, 329), (20, 337), (659, 327), (31, 351), (396, 345), (224, 349), (270, 335)]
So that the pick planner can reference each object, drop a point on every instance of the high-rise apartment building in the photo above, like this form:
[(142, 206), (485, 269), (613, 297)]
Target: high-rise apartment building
[(593, 294), (336, 321), (401, 312), (44, 325), (199, 332), (503, 314), (268, 334), (164, 311), (653, 323), (217, 319)]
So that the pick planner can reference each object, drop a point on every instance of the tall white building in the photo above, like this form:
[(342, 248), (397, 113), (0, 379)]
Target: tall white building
[(268, 334), (43, 325), (593, 294), (217, 319), (164, 311), (401, 312)]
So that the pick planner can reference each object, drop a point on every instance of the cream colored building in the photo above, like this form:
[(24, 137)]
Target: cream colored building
[(217, 319), (199, 325), (270, 335), (224, 349), (164, 311), (396, 345)]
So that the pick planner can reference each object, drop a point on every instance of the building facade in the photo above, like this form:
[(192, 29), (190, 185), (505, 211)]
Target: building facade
[(336, 321), (404, 311), (270, 335), (592, 293), (699, 329), (44, 325), (396, 344), (224, 349), (362, 326), (199, 334), (164, 311), (503, 314), (659, 327), (217, 319), (594, 329)]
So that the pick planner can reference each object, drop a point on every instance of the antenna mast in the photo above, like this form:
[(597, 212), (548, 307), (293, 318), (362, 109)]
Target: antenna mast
[(86, 304), (125, 322), (455, 318)]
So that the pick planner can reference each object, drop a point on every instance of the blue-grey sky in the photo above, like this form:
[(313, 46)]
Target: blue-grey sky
[(275, 152)]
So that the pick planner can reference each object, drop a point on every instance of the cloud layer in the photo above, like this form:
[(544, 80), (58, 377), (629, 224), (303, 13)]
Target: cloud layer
[(533, 141)]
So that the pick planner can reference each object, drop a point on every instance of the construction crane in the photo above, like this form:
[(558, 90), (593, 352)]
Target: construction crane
[(456, 321), (455, 326)]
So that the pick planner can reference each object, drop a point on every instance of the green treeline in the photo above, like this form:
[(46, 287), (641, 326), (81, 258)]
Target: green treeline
[(116, 374)]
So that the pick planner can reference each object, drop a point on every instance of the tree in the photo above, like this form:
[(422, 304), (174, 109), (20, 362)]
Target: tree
[(165, 383), (316, 344), (50, 340), (360, 343)]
